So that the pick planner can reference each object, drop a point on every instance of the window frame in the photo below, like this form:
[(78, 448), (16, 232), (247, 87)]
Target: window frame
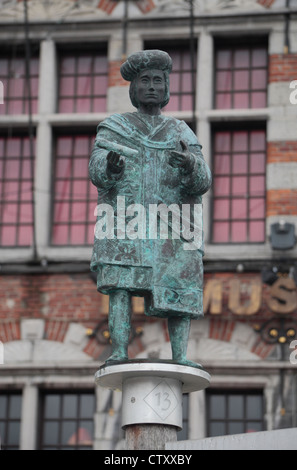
[(250, 43), (44, 393), (72, 133), (31, 159), (226, 421), (234, 127), (17, 52), (7, 420), (81, 50)]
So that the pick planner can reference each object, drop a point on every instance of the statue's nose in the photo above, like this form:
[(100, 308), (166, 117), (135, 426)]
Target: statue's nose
[(151, 86)]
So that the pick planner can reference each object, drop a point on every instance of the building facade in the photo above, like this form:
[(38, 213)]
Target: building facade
[(234, 81)]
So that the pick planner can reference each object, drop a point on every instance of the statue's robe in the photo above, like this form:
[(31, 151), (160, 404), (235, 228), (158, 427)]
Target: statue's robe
[(169, 276)]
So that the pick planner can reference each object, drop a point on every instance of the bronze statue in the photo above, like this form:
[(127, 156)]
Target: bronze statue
[(145, 164)]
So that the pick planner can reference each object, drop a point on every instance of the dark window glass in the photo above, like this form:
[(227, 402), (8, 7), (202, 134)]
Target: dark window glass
[(10, 420), (67, 420), (234, 412), (184, 433)]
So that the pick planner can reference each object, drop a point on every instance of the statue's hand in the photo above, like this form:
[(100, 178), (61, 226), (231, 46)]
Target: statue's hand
[(183, 159), (115, 164)]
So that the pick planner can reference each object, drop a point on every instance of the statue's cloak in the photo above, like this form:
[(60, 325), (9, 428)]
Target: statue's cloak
[(168, 275)]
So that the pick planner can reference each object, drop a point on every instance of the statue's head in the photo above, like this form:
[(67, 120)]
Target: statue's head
[(147, 60)]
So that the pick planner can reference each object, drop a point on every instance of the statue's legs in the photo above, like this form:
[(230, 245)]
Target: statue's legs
[(119, 323), (179, 330)]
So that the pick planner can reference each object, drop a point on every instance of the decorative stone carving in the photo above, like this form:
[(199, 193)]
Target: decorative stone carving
[(170, 6), (243, 4), (42, 351), (32, 329), (50, 10), (76, 336), (57, 10), (239, 346)]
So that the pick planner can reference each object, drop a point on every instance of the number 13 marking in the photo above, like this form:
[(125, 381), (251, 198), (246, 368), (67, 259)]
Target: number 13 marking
[(163, 401)]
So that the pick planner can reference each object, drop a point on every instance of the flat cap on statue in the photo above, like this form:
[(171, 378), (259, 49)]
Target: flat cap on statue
[(143, 60)]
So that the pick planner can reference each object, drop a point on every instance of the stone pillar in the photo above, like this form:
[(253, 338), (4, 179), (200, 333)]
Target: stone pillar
[(43, 169), (204, 105), (281, 133), (29, 418), (197, 407), (107, 419)]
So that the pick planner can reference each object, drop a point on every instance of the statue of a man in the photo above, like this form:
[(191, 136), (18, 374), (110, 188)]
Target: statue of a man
[(144, 163)]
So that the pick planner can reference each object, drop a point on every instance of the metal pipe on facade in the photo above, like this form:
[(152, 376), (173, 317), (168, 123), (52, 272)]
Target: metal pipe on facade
[(30, 121), (287, 28)]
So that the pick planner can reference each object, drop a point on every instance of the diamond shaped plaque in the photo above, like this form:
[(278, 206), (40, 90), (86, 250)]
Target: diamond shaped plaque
[(162, 400)]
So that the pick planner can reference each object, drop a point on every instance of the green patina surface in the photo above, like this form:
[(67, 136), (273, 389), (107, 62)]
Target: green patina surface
[(146, 158)]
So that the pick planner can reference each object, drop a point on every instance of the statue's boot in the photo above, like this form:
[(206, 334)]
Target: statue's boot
[(179, 330), (119, 323)]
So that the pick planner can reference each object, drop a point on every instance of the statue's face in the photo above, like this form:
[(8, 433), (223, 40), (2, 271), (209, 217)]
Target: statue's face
[(151, 87)]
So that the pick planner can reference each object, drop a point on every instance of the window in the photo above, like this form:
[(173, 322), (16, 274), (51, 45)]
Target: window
[(83, 81), (181, 89), (239, 186), (234, 412), (13, 77), (10, 419), (241, 77), (16, 196), (67, 420), (75, 197)]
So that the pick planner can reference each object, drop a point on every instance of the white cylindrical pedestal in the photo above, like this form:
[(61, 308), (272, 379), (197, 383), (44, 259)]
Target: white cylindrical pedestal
[(152, 391), (152, 400)]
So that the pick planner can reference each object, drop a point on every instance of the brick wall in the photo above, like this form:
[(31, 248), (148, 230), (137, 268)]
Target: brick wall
[(58, 299), (278, 152), (57, 296), (61, 299), (73, 297), (282, 68), (281, 202), (114, 75)]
